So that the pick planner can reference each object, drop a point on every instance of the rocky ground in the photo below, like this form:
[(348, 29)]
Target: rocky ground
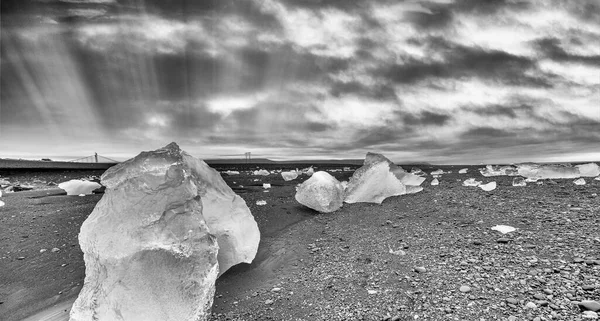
[(426, 256)]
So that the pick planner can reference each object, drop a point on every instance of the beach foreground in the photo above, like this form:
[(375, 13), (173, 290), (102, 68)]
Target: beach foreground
[(427, 256)]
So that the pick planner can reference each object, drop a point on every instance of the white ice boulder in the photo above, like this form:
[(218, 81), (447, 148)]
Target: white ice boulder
[(155, 243), (463, 171), (488, 187), (519, 181), (321, 192), (232, 173), (471, 182), (261, 172), (504, 229), (374, 181), (266, 185), (435, 182), (579, 181), (76, 187), (437, 172), (288, 176), (532, 170), (589, 170)]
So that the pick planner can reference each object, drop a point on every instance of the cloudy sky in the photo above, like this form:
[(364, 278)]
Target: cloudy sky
[(445, 81)]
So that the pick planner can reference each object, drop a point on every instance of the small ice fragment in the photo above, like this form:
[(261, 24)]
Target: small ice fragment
[(396, 252), (261, 203), (597, 178), (372, 291), (488, 187), (232, 173), (471, 182), (262, 172), (437, 172), (435, 182), (76, 187), (504, 229), (288, 176), (463, 171), (81, 194), (0, 193), (266, 185), (519, 181), (1, 203), (579, 181)]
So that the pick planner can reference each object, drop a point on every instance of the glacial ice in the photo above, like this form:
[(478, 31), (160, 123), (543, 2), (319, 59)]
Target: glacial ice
[(504, 229), (321, 192), (471, 182), (76, 187), (463, 171), (261, 172), (417, 171), (308, 171), (488, 187), (531, 170), (155, 243), (588, 170), (411, 189), (266, 185), (435, 182), (579, 181), (407, 178), (374, 181), (288, 176), (519, 181), (437, 172), (491, 170), (232, 173)]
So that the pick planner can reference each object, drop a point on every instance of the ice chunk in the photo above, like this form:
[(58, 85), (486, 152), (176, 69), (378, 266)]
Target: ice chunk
[(261, 203), (463, 171), (321, 192), (157, 240), (308, 171), (488, 187), (288, 176), (374, 181), (504, 229), (76, 187), (2, 203), (437, 172), (519, 181), (588, 170), (261, 172), (491, 170), (0, 193), (344, 184), (435, 182), (471, 182), (597, 178), (531, 179), (410, 189), (232, 173), (579, 181), (347, 169), (417, 171), (266, 185), (407, 178), (531, 170)]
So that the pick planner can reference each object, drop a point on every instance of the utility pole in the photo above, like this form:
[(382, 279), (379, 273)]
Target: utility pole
[(96, 157)]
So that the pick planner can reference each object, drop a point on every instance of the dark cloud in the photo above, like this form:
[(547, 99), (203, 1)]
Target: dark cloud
[(426, 118), (462, 61), (321, 4), (494, 110), (483, 133), (552, 48), (489, 6), (440, 17), (378, 91)]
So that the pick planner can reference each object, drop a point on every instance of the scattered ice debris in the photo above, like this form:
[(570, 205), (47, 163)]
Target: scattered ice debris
[(396, 252), (262, 172), (261, 203), (266, 185), (579, 181), (471, 182), (374, 181), (519, 181), (232, 173), (321, 192), (531, 179), (532, 170), (491, 170), (463, 171), (437, 172), (288, 176), (137, 262), (417, 171), (347, 169), (504, 229), (588, 170), (488, 187), (77, 187), (435, 182), (2, 203)]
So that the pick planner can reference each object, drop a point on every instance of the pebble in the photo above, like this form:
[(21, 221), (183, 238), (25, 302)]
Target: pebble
[(589, 305), (503, 240), (21, 258), (589, 287), (590, 315), (465, 289), (540, 296), (269, 302), (530, 305), (43, 250), (54, 250), (275, 289), (512, 301), (420, 269)]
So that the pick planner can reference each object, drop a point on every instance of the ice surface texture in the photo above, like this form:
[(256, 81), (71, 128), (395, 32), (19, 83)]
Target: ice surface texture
[(321, 192), (76, 187), (157, 240)]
